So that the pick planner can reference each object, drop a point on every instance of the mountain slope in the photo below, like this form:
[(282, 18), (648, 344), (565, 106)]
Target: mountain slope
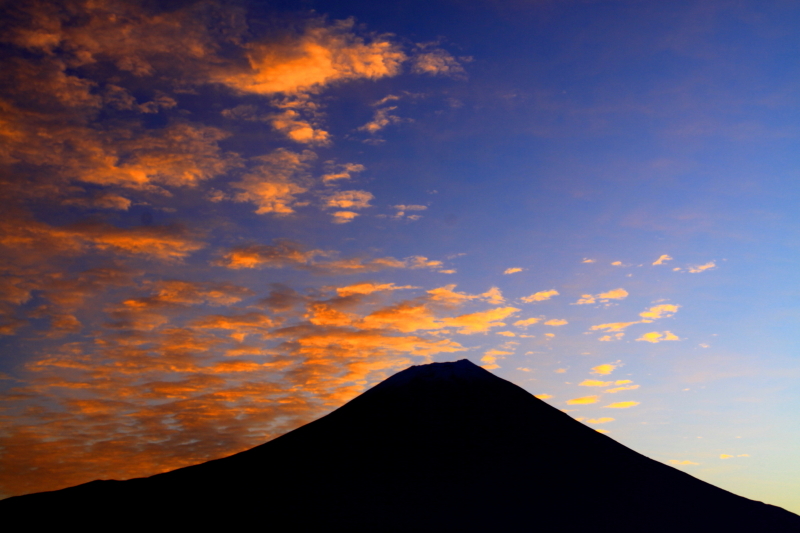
[(439, 447)]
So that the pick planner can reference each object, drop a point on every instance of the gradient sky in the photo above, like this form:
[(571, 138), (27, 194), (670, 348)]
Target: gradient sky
[(221, 220)]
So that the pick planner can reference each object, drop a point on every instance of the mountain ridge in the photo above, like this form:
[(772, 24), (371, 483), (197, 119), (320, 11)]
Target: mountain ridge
[(443, 446)]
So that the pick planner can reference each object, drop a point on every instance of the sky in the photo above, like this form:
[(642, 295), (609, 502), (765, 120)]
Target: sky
[(222, 220)]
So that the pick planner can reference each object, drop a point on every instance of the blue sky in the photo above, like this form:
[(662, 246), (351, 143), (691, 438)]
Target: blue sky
[(223, 220)]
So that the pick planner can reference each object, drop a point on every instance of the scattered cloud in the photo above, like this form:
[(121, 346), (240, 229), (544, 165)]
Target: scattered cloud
[(540, 296), (543, 396), (587, 260), (662, 259), (431, 60), (620, 389), (613, 327), (684, 462), (402, 211), (583, 400), (342, 172), (622, 405), (656, 337), (725, 456), (594, 383), (702, 268), (349, 200), (274, 181), (556, 322), (602, 420), (369, 288), (604, 297), (604, 369), (660, 311), (381, 119), (513, 270)]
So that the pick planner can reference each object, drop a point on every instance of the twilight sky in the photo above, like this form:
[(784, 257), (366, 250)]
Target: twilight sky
[(221, 220)]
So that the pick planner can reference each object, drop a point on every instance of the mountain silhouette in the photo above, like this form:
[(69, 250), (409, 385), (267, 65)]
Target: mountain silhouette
[(437, 447)]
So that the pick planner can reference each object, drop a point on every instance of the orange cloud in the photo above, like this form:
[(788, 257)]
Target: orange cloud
[(594, 383), (615, 294), (685, 461), (322, 55), (543, 396), (369, 288), (527, 322), (604, 369), (349, 199), (435, 61), (583, 400), (620, 389), (656, 337), (274, 182), (513, 270), (540, 296), (702, 268), (602, 420), (290, 123), (660, 311), (613, 327), (447, 295), (480, 322), (662, 259), (345, 172), (382, 118), (622, 405), (556, 322)]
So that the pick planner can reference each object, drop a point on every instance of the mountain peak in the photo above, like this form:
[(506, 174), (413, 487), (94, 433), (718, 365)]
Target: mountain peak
[(461, 370)]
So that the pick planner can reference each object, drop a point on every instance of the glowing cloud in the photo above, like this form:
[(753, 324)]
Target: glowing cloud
[(725, 456), (684, 462), (349, 200), (622, 405), (543, 396), (345, 172), (320, 56), (656, 337), (480, 322), (602, 420), (604, 369), (513, 270), (556, 322), (660, 311), (594, 383), (540, 296), (663, 259), (614, 294), (613, 327), (620, 389), (369, 288), (583, 400)]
